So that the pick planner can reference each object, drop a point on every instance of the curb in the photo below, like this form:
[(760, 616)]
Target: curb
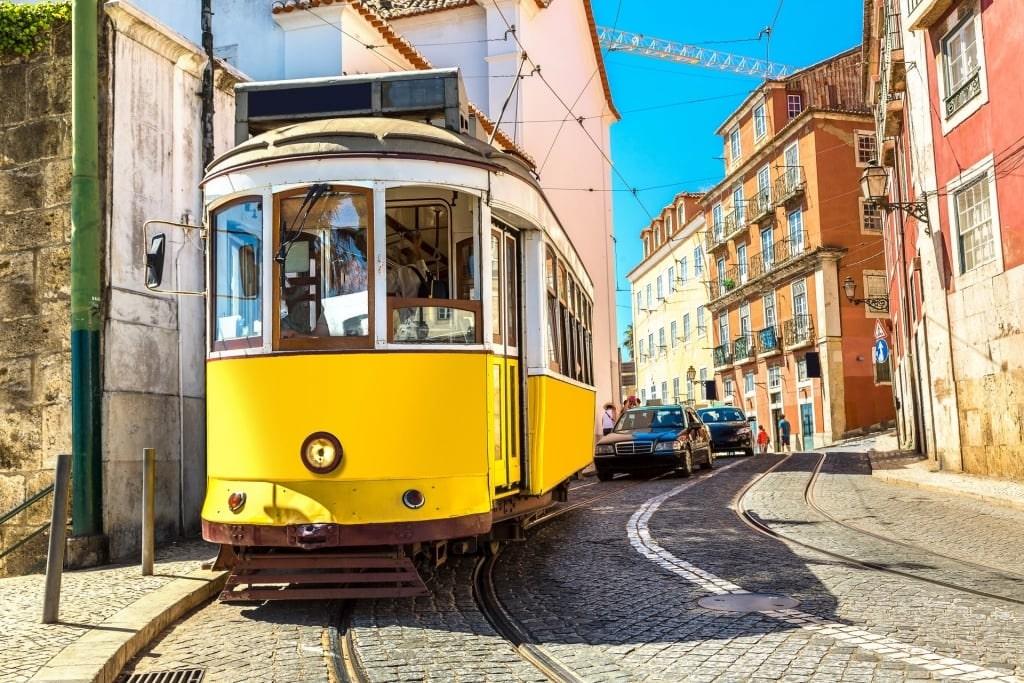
[(101, 654)]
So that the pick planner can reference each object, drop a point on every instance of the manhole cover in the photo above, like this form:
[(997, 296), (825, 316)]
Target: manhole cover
[(747, 602)]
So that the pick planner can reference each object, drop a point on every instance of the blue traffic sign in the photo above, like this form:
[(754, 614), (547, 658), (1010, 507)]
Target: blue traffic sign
[(881, 351)]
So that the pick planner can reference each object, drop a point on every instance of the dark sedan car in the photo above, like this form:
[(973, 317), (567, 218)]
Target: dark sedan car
[(654, 440), (730, 431)]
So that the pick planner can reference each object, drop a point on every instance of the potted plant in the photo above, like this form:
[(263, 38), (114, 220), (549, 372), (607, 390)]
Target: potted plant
[(728, 283)]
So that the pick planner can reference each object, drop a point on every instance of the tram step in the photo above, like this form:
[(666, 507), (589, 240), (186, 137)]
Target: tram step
[(308, 576)]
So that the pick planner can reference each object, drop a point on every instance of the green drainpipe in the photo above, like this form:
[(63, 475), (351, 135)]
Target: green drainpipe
[(86, 389)]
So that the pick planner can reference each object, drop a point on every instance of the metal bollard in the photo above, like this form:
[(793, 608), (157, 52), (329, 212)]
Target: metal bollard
[(58, 536), (148, 508)]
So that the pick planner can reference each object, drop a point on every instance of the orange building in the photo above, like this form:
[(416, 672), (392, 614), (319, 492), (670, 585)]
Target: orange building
[(786, 229)]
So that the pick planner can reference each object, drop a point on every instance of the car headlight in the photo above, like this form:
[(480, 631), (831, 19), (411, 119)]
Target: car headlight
[(675, 445), (607, 449), (743, 430)]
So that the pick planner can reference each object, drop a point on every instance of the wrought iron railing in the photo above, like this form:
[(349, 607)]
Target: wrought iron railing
[(722, 354), (734, 222), (791, 247), (760, 205), (789, 184), (964, 94), (743, 348), (797, 331), (768, 339)]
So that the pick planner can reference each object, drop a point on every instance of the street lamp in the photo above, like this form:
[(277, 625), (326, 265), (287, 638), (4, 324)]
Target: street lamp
[(879, 303), (874, 182), (691, 374)]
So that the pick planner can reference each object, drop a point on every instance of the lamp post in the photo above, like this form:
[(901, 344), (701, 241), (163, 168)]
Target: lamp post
[(879, 303), (874, 184), (691, 374)]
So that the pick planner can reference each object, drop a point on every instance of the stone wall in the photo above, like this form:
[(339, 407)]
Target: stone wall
[(35, 230)]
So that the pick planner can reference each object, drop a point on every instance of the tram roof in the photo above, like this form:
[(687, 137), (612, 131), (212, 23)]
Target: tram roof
[(361, 136), (375, 135)]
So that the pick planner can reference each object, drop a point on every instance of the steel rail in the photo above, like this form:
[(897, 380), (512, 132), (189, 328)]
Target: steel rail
[(752, 521)]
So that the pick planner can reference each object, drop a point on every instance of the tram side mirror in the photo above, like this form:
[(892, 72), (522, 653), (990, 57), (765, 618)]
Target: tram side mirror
[(155, 261)]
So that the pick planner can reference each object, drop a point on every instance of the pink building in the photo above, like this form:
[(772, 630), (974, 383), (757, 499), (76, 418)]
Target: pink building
[(942, 77)]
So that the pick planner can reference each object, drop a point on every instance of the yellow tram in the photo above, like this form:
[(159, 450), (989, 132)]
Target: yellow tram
[(399, 360)]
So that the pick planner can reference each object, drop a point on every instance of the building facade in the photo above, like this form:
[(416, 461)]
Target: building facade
[(786, 229), (940, 77), (671, 346)]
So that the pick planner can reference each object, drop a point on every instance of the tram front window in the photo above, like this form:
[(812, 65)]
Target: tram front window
[(322, 256)]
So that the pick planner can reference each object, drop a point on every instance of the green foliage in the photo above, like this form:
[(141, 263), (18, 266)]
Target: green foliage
[(27, 28)]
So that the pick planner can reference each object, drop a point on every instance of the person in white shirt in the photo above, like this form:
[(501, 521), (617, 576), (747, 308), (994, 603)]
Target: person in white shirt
[(608, 418)]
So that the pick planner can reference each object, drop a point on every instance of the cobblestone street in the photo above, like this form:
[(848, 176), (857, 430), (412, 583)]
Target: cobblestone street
[(613, 590)]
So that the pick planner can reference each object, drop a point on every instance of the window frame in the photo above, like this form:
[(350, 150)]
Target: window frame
[(981, 172), (953, 115), (760, 117)]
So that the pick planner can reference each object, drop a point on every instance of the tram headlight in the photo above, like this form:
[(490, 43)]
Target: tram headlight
[(321, 452)]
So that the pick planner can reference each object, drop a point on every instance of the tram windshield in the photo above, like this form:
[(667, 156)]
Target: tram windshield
[(325, 263)]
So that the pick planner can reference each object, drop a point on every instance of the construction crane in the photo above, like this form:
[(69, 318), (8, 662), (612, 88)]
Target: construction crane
[(624, 41)]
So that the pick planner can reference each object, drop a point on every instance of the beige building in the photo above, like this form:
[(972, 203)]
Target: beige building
[(671, 337)]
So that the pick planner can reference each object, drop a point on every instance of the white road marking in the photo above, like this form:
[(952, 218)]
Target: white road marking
[(640, 538)]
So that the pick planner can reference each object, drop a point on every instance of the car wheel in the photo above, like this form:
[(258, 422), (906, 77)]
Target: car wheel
[(709, 460), (686, 468), (605, 475)]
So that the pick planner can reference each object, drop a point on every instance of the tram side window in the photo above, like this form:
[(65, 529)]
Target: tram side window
[(238, 300), (554, 346), (569, 316)]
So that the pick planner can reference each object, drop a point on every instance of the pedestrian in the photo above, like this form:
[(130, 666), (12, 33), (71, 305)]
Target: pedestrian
[(784, 446), (608, 418), (762, 440)]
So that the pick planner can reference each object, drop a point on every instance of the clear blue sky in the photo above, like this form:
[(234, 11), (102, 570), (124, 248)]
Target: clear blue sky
[(665, 142)]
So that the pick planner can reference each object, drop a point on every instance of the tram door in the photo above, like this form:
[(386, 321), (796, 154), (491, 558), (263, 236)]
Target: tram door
[(506, 472)]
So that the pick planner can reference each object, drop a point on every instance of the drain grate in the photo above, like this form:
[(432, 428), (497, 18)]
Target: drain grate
[(176, 676), (747, 602)]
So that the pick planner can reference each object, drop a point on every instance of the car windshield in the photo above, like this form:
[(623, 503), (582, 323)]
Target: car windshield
[(722, 415), (644, 419)]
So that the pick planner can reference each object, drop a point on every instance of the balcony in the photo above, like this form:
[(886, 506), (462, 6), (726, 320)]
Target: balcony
[(789, 186), (892, 116), (714, 237), (894, 66), (798, 331), (760, 207), (722, 355), (735, 222), (768, 340), (743, 348), (921, 14), (777, 255)]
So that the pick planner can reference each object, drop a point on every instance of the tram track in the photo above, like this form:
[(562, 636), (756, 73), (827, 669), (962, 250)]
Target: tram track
[(344, 662), (869, 549)]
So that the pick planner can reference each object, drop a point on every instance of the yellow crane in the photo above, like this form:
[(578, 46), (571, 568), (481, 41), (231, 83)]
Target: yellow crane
[(625, 41)]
